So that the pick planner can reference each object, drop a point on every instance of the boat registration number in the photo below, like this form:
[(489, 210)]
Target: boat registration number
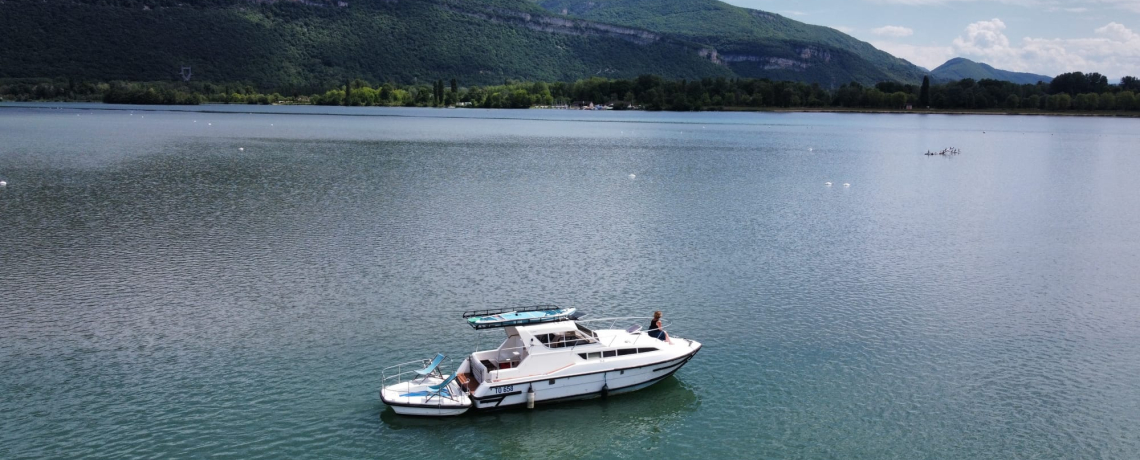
[(504, 389)]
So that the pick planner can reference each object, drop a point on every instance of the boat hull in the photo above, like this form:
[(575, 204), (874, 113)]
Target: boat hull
[(582, 386), (408, 398), (429, 411)]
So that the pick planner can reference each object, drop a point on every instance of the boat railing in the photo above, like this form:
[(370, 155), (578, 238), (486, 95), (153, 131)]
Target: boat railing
[(612, 323), (398, 373)]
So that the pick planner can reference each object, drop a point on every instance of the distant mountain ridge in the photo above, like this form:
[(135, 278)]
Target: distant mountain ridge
[(752, 43), (960, 68), (311, 44)]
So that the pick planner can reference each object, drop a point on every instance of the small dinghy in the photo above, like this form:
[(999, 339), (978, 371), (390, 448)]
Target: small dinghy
[(485, 319), (423, 391)]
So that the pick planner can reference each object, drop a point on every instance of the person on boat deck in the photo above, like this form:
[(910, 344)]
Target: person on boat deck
[(655, 329)]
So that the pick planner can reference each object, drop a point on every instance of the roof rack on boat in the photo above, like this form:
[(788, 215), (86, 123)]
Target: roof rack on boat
[(505, 317)]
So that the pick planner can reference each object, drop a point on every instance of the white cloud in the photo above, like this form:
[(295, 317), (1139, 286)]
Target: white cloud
[(893, 31), (925, 56), (943, 2), (1113, 50), (983, 37), (1070, 6), (1117, 32)]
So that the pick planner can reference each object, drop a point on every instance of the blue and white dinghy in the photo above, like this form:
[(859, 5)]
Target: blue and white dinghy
[(485, 319), (549, 355)]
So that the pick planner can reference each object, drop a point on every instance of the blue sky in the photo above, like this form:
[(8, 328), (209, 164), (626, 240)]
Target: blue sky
[(1040, 36)]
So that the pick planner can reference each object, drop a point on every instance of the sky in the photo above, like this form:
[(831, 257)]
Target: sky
[(1046, 37)]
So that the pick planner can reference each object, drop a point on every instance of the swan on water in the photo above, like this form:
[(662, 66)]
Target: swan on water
[(633, 176), (241, 149), (846, 184), (3, 183), (827, 184)]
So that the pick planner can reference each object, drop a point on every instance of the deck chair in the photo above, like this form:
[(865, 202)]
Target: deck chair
[(431, 367), (441, 389)]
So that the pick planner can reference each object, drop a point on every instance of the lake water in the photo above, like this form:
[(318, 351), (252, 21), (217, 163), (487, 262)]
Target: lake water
[(229, 285)]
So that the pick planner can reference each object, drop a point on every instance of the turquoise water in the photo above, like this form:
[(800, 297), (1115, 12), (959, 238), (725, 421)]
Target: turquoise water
[(229, 285)]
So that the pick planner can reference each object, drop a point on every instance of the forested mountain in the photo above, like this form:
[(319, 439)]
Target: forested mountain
[(961, 68), (753, 43), (310, 45)]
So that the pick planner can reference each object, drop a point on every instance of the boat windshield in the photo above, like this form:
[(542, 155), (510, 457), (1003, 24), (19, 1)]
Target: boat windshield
[(567, 339), (586, 330)]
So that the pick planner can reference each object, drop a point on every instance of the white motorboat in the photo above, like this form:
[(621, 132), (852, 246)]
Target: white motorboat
[(542, 360)]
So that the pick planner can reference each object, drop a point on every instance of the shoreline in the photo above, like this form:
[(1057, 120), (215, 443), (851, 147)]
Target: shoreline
[(857, 110), (1036, 112)]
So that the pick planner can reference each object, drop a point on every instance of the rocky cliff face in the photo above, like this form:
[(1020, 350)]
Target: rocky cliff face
[(575, 27), (809, 56)]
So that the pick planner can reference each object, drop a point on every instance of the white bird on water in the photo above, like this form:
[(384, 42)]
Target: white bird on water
[(827, 184), (846, 184), (3, 183), (241, 149), (633, 176)]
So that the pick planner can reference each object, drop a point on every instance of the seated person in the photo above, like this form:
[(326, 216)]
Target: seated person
[(655, 329)]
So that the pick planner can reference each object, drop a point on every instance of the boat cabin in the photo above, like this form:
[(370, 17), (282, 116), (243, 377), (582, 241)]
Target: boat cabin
[(509, 360)]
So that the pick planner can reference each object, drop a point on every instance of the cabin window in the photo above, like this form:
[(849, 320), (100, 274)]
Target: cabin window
[(591, 356), (565, 339), (609, 353), (633, 351)]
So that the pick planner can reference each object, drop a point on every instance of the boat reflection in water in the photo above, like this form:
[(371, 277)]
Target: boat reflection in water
[(626, 420)]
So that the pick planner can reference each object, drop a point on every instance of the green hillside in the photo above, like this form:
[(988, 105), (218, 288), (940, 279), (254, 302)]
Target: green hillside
[(961, 68), (288, 44), (753, 43), (313, 45)]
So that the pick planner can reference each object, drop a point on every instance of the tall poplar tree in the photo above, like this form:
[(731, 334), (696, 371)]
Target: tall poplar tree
[(924, 93)]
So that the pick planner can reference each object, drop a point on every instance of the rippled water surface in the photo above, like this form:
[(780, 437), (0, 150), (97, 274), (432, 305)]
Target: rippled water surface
[(229, 285)]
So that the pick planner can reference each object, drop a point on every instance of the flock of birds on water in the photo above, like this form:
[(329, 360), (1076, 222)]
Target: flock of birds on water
[(944, 152)]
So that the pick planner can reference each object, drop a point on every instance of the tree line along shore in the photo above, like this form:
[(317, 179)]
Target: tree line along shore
[(1069, 92)]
